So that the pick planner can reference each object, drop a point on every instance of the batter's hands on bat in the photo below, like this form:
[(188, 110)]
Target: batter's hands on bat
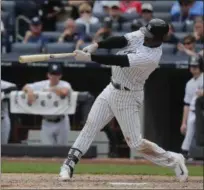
[(91, 48), (82, 56), (183, 129)]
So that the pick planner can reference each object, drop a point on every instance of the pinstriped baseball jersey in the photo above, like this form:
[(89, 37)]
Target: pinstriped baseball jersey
[(143, 61)]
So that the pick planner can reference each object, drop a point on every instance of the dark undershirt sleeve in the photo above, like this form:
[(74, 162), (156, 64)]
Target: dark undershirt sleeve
[(8, 90), (113, 42), (117, 60)]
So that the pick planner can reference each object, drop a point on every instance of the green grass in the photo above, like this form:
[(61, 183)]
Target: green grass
[(23, 167)]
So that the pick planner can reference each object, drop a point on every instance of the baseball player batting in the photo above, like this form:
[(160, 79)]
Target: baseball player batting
[(138, 57)]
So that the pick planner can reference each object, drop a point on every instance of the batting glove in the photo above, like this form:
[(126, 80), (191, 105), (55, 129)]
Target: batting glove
[(91, 48), (82, 56)]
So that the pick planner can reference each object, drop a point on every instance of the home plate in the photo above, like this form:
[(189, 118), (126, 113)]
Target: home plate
[(126, 183)]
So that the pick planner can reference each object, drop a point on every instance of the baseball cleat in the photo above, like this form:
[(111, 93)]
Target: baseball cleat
[(65, 173), (181, 169)]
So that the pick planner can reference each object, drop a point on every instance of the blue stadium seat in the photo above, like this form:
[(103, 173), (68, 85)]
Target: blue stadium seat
[(130, 16), (180, 35), (119, 33), (29, 48), (126, 26), (168, 48), (59, 47), (100, 16), (189, 27), (52, 36), (163, 15), (60, 26), (8, 6), (178, 26), (162, 6)]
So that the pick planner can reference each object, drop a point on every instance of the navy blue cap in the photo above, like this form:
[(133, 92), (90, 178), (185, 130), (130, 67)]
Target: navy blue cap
[(36, 21), (55, 69)]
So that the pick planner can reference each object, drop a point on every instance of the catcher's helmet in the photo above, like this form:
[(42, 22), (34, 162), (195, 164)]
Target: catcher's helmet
[(196, 61), (156, 29)]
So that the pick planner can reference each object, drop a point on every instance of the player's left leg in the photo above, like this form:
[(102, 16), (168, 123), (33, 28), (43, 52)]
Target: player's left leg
[(5, 129), (189, 132), (127, 114), (63, 131)]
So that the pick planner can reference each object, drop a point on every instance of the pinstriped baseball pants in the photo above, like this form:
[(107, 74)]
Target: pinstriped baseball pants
[(125, 106)]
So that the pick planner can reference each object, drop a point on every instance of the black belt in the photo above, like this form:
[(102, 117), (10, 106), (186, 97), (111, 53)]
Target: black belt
[(119, 86), (57, 120)]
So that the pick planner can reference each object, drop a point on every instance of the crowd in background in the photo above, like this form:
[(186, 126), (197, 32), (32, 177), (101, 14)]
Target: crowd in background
[(113, 17)]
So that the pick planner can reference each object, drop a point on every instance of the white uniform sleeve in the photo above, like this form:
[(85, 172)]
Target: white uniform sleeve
[(65, 84), (188, 95), (37, 86), (5, 84)]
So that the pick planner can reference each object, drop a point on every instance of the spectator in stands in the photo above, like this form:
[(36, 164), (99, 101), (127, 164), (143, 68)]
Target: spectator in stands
[(129, 6), (75, 7), (171, 38), (71, 35), (50, 11), (147, 14), (115, 14), (135, 25), (34, 35), (188, 46), (101, 7), (199, 30), (105, 31), (184, 10), (86, 17)]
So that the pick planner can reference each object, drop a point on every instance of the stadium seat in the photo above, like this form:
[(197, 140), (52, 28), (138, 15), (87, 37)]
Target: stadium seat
[(162, 6), (59, 47), (180, 35), (60, 26), (163, 15), (127, 26), (130, 16), (52, 36), (179, 27), (189, 27), (8, 6), (29, 48), (168, 48), (100, 16), (119, 33)]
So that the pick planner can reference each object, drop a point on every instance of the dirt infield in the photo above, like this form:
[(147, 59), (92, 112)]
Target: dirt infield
[(50, 181)]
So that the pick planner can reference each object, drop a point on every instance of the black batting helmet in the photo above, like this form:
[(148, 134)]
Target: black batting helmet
[(196, 61), (156, 29)]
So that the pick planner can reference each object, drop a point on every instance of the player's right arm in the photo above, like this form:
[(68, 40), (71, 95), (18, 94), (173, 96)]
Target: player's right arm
[(30, 88), (110, 43), (187, 100)]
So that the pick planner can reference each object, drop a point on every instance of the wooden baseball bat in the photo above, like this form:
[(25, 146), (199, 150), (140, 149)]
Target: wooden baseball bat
[(43, 57)]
